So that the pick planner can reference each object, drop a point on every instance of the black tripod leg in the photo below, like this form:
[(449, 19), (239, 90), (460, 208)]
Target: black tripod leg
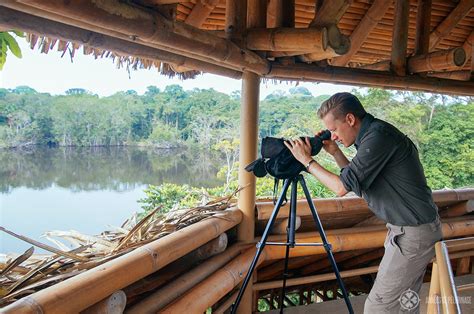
[(290, 237), (261, 245), (326, 245)]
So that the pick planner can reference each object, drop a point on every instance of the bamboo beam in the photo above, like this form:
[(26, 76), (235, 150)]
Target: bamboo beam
[(275, 13), (156, 30), (423, 21), (361, 32), (400, 37), (453, 75), (459, 209), (437, 61), (257, 14), (79, 292), (162, 297), (288, 39), (201, 297), (114, 304), (345, 239), (12, 19), (360, 77), (345, 205), (200, 12), (316, 278), (445, 27), (329, 13)]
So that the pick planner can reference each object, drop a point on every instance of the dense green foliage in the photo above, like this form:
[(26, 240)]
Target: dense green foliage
[(441, 127)]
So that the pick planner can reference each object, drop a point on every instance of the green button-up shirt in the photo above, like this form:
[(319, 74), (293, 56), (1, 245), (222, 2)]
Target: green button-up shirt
[(387, 173)]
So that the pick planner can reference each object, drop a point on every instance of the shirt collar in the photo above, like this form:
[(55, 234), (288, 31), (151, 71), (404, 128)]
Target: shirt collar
[(366, 121)]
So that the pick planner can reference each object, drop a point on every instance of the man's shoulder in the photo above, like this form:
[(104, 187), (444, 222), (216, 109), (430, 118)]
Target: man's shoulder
[(383, 131)]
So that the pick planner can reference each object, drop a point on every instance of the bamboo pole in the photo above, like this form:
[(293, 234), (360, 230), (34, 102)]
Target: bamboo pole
[(313, 279), (362, 30), (85, 289), (460, 244), (162, 297), (463, 266), (453, 75), (222, 308), (446, 26), (437, 61), (328, 207), (329, 13), (12, 19), (459, 209), (155, 29), (400, 37), (449, 297), (222, 282), (435, 291), (360, 77), (423, 20), (114, 304), (347, 239), (119, 41), (288, 39)]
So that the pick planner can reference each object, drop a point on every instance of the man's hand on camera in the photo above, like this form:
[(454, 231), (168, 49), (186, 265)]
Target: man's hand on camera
[(300, 149), (329, 146)]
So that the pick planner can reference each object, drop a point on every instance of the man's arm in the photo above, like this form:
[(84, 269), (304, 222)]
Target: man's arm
[(340, 158), (302, 152), (329, 179)]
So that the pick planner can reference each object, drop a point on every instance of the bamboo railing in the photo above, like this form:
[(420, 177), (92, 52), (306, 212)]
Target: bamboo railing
[(443, 294)]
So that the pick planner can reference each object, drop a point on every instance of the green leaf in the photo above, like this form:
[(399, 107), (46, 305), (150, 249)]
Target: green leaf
[(12, 44), (19, 34)]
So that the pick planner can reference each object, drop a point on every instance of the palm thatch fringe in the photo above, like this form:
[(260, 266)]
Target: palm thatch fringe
[(46, 44)]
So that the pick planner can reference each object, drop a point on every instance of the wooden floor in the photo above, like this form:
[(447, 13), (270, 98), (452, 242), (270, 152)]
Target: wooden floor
[(339, 306)]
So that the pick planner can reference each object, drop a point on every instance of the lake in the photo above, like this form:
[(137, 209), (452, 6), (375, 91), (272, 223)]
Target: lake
[(87, 189)]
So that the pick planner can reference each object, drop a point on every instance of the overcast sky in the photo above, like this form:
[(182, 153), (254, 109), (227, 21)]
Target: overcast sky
[(53, 74)]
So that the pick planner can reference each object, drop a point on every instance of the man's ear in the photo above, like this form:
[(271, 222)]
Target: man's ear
[(351, 119)]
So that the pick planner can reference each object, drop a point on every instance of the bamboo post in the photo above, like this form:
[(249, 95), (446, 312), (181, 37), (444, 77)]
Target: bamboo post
[(79, 292), (435, 291), (449, 297), (423, 19), (400, 37), (162, 297), (114, 304)]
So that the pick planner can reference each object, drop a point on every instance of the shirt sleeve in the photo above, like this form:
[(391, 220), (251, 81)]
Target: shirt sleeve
[(374, 152)]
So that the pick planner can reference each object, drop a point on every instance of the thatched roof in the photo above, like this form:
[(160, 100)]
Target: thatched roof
[(416, 45)]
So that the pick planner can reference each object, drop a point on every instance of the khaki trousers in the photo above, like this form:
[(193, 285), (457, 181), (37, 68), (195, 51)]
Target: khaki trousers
[(408, 250)]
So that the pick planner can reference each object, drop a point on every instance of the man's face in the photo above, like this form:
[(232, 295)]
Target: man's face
[(343, 129)]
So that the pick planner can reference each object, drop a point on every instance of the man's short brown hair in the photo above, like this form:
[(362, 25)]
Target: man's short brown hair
[(341, 104)]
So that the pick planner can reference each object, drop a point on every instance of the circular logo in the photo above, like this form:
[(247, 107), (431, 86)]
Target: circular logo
[(409, 300)]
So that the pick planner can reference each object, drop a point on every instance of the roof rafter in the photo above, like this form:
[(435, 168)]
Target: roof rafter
[(360, 34), (201, 11), (445, 27)]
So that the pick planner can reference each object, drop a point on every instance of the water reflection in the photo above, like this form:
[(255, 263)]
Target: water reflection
[(105, 168)]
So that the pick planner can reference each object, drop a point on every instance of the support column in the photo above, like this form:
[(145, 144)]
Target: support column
[(248, 153)]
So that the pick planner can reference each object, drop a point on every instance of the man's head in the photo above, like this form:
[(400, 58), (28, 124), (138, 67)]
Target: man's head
[(342, 114)]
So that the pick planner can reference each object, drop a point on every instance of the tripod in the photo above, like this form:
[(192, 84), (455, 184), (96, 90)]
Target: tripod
[(291, 240)]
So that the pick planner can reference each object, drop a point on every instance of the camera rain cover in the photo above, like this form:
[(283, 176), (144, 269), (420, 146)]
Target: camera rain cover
[(278, 161)]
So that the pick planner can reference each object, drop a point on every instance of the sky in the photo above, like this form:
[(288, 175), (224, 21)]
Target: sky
[(52, 74)]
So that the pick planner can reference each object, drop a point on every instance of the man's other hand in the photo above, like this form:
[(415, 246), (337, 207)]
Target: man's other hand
[(330, 146)]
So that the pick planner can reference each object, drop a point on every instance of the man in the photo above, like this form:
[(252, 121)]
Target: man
[(387, 173)]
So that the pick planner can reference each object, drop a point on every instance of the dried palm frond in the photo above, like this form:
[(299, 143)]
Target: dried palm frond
[(29, 273)]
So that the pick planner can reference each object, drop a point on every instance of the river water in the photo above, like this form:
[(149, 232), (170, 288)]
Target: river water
[(87, 189)]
